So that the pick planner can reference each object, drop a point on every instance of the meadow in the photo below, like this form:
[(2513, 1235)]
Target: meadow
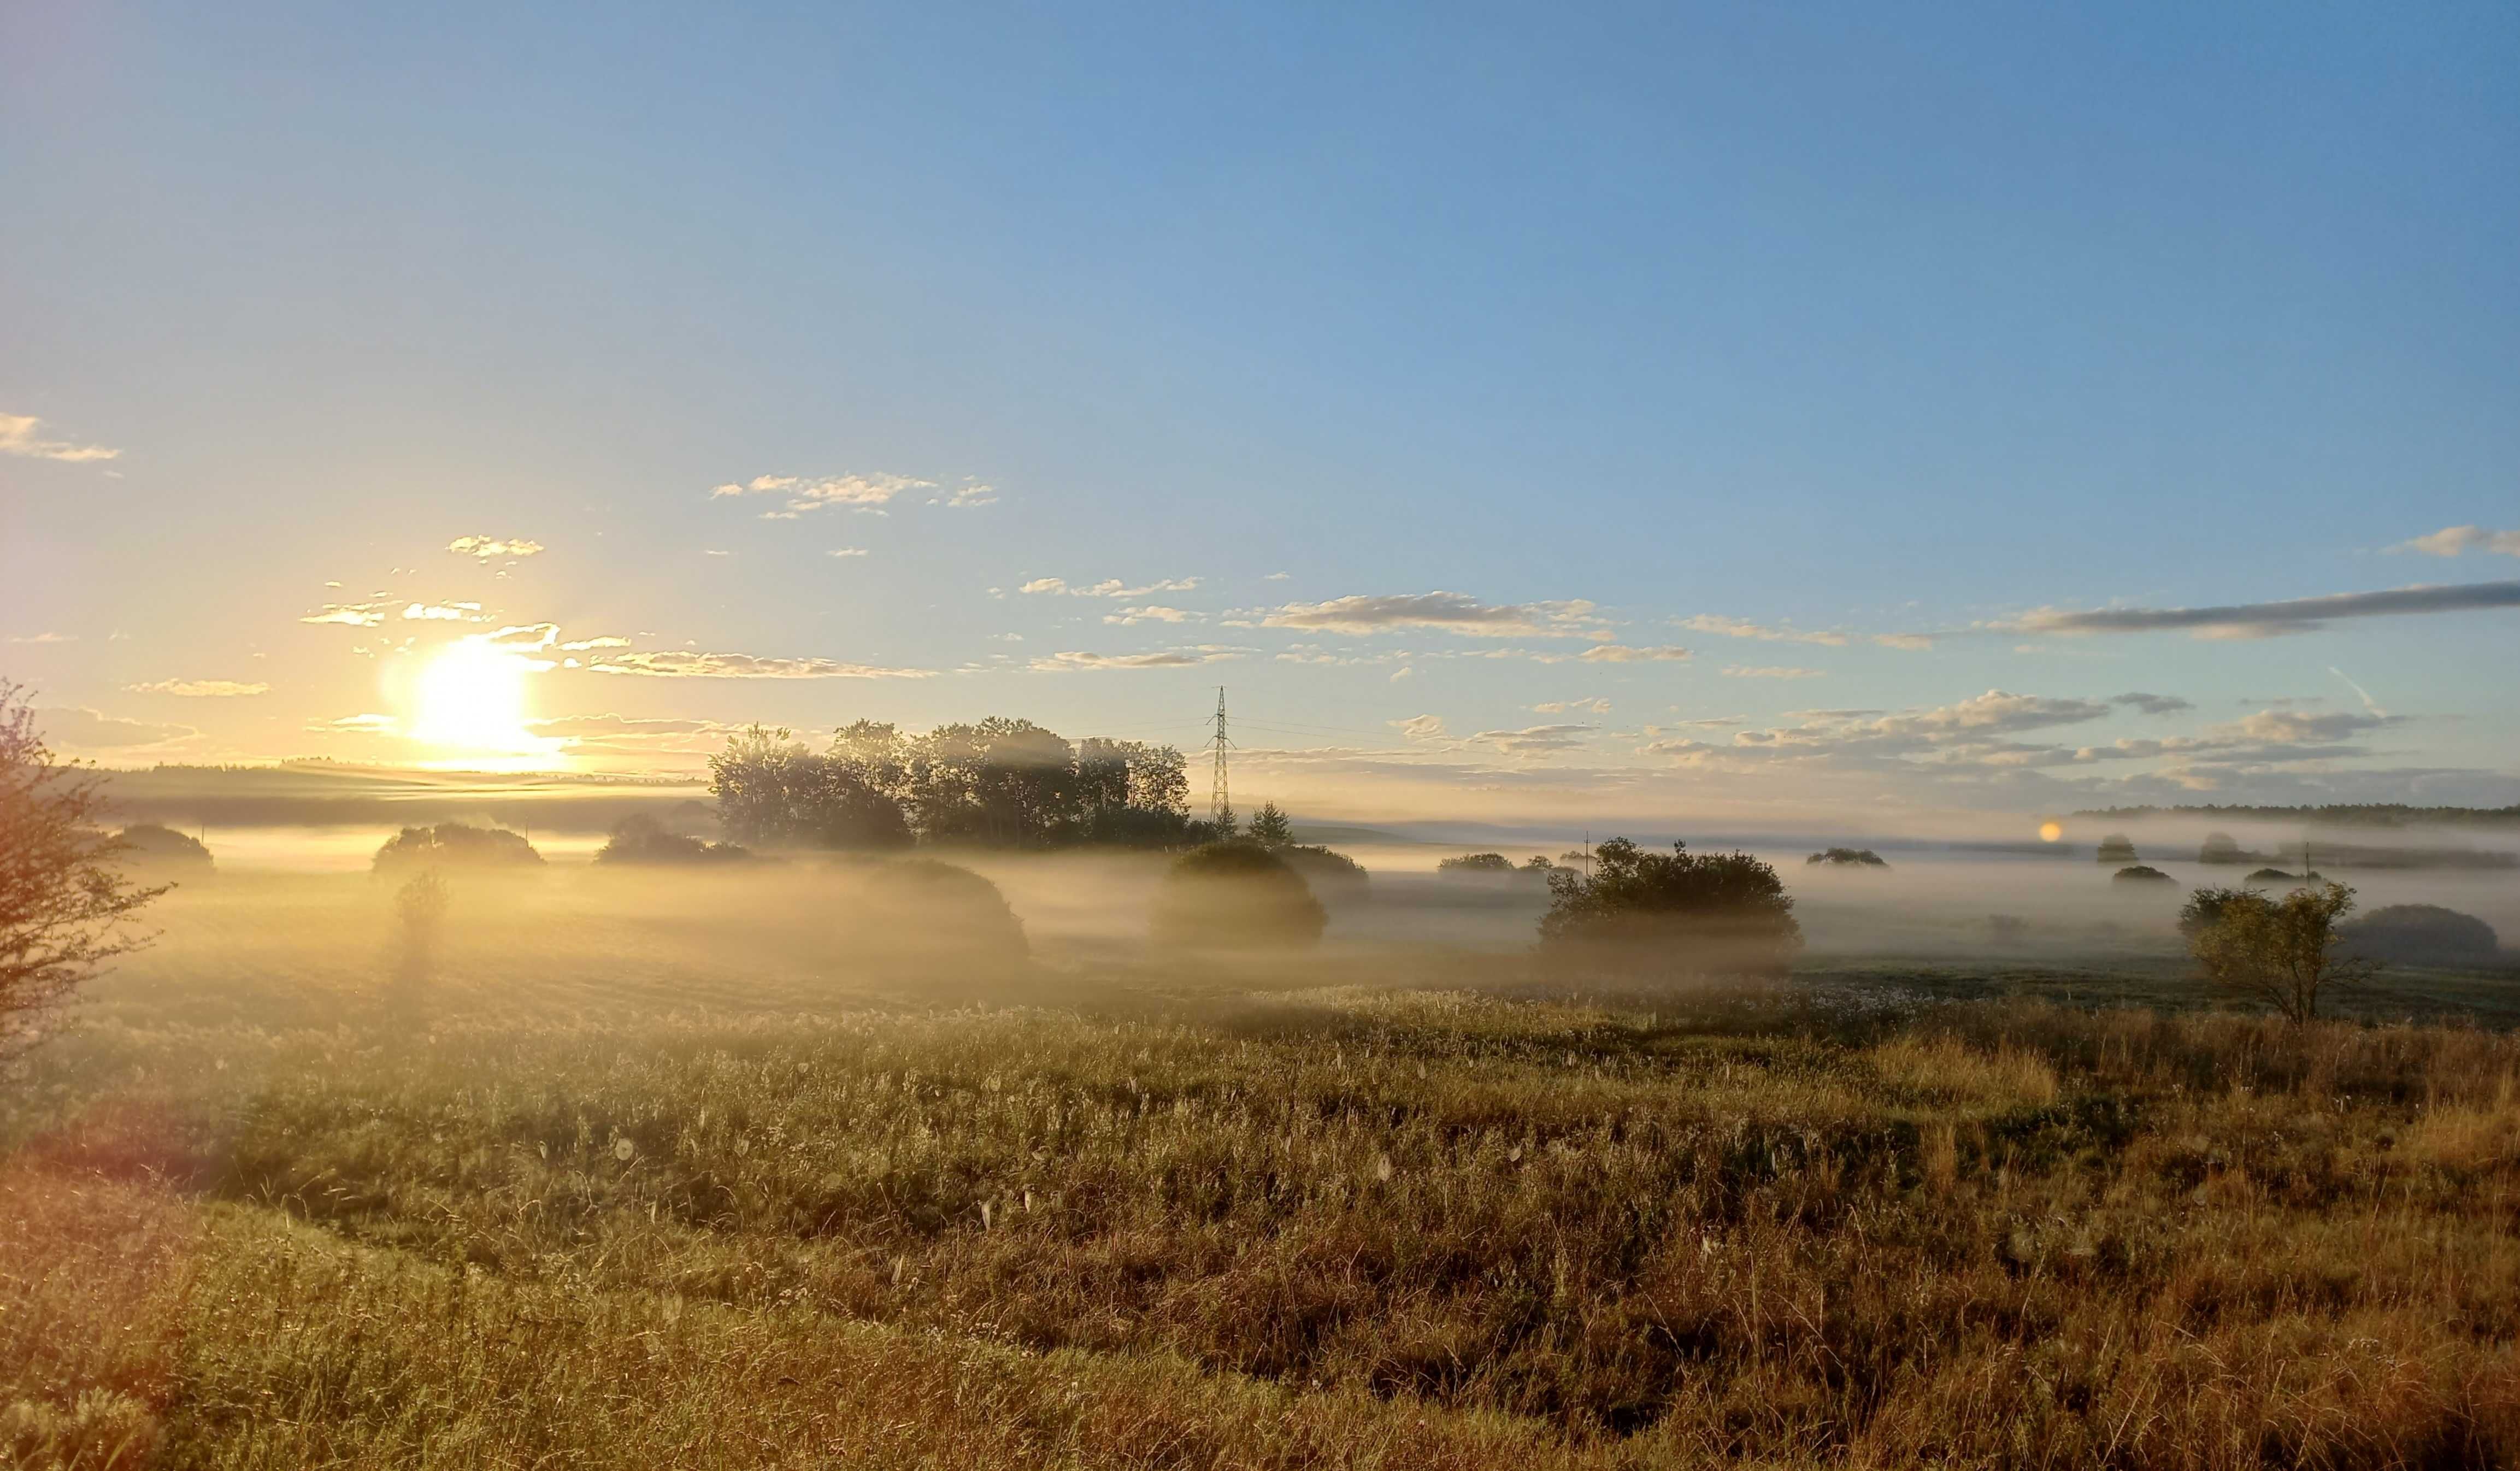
[(643, 1172)]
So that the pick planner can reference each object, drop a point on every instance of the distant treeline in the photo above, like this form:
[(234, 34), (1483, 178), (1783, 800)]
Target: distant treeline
[(1000, 783), (2364, 814)]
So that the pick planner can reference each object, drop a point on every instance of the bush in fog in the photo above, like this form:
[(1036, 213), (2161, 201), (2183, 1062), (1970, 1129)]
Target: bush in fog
[(155, 845), (919, 910), (2117, 848), (1333, 876), (454, 845), (2275, 875), (2140, 875), (2422, 934), (2219, 848), (1715, 912), (1475, 862), (2283, 952), (64, 906), (1235, 894), (1844, 857), (642, 840)]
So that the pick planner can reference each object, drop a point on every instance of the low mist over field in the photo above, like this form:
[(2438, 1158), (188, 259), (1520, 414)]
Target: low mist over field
[(1131, 737)]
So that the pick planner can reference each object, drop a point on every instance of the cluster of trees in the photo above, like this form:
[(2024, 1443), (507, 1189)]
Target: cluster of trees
[(1846, 858), (1000, 783), (454, 845), (1538, 865), (1710, 912)]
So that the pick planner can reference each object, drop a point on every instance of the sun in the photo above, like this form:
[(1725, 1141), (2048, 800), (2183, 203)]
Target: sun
[(470, 700), (2050, 830)]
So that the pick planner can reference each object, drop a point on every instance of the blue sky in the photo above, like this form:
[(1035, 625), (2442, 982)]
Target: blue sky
[(1648, 323)]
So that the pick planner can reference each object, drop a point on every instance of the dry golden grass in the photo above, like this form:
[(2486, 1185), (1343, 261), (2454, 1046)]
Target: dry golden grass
[(1344, 1226)]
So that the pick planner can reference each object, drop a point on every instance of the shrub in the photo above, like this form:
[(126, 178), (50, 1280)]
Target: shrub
[(2115, 848), (1846, 858), (2422, 934), (155, 845), (2273, 875), (2139, 874), (1475, 862), (2283, 952), (1333, 876), (1706, 912), (916, 911), (1235, 894), (454, 845), (642, 840)]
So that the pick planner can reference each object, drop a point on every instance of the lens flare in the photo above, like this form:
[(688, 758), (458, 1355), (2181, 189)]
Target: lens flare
[(470, 700)]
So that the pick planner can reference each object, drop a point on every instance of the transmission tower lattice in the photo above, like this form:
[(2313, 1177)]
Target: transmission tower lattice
[(1220, 805)]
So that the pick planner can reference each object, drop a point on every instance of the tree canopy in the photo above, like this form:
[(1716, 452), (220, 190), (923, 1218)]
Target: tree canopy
[(1708, 910)]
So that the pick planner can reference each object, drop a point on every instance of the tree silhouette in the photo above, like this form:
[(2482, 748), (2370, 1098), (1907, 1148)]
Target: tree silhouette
[(1270, 828)]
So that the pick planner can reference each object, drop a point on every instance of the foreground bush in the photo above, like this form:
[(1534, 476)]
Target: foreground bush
[(2285, 952), (1236, 895), (453, 846), (1700, 911)]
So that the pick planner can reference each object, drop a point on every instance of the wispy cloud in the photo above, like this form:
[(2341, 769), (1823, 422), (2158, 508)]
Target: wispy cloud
[(800, 494), (1075, 660), (47, 637), (846, 552), (1420, 728), (22, 434), (2261, 620), (200, 689), (1621, 653), (494, 548), (443, 613), (366, 614), (679, 664), (1449, 612), (972, 493), (1110, 587), (76, 728), (1149, 614), (1743, 628), (1596, 705), (2451, 540), (2152, 704), (1770, 672), (1535, 741)]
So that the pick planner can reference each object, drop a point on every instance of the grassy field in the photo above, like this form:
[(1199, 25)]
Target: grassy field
[(630, 1182)]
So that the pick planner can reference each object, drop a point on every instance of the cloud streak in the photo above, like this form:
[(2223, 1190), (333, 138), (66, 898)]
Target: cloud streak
[(21, 435), (1072, 661), (202, 688), (683, 665), (2451, 540), (2262, 620), (494, 548), (1448, 612)]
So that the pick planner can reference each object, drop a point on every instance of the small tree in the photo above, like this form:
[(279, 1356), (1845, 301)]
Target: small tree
[(64, 906), (2284, 952), (1270, 828)]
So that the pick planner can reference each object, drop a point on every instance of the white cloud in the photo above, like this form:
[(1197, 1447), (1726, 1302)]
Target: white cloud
[(1073, 660), (1149, 614), (1421, 727), (1742, 628), (1449, 613), (800, 494), (443, 613), (200, 689), (2450, 541), (45, 638), (1620, 653), (1772, 672), (492, 547), (356, 615), (1110, 587), (972, 493), (846, 552), (607, 641), (676, 664), (1596, 705), (20, 434)]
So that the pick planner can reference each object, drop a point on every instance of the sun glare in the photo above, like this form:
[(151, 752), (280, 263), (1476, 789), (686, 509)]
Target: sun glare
[(470, 701)]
